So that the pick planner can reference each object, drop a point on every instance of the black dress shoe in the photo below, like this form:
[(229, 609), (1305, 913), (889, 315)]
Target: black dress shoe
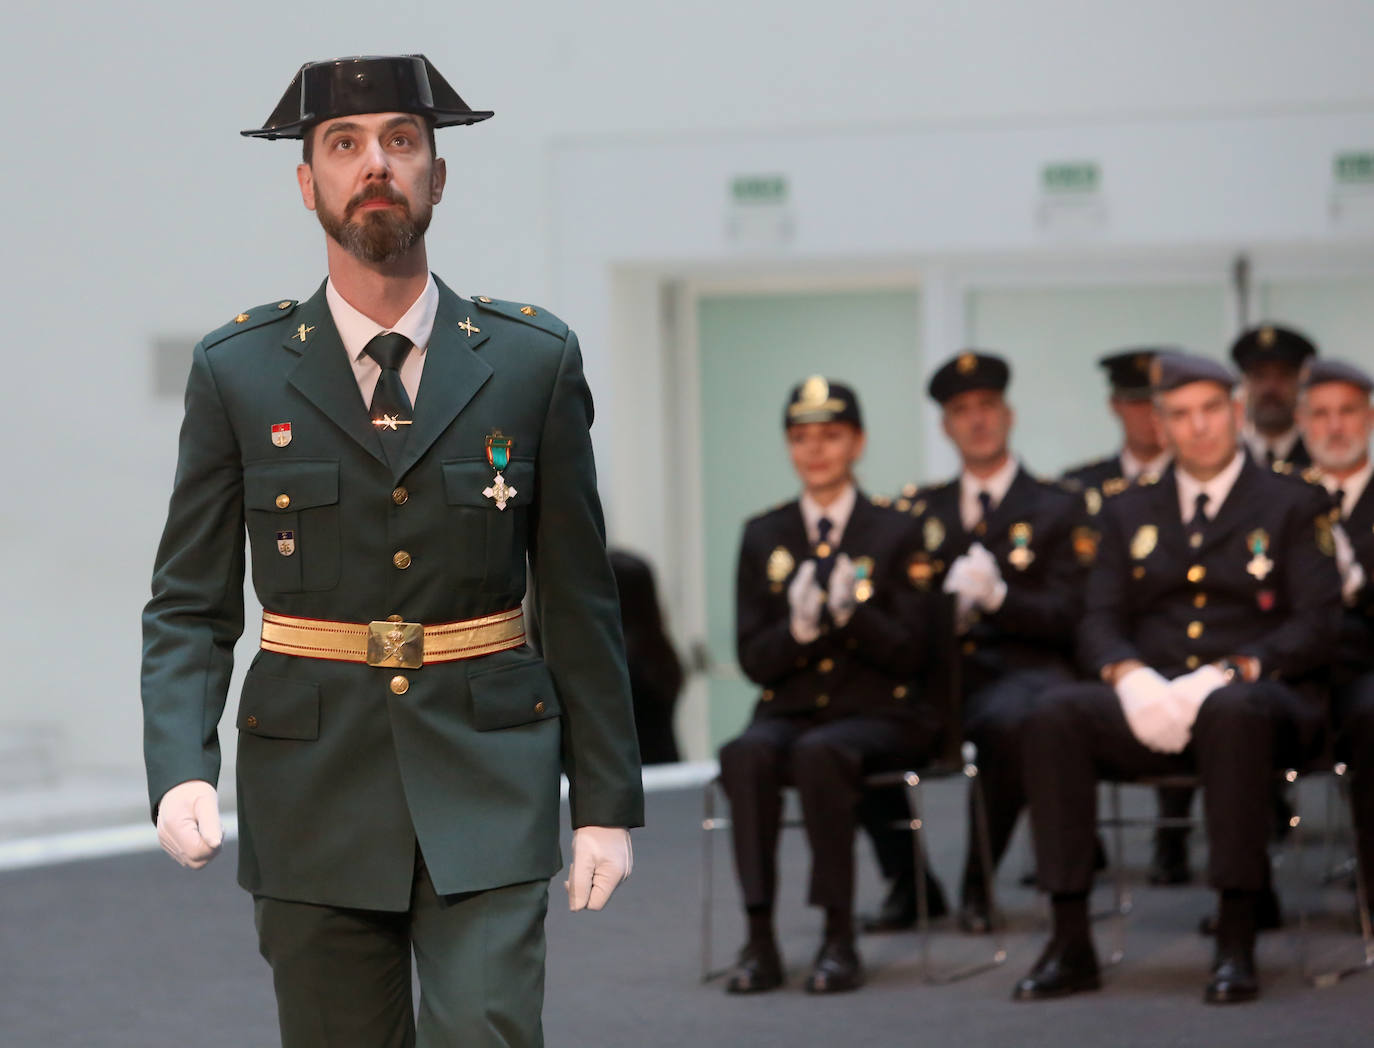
[(1064, 968), (837, 968), (1233, 980), (1169, 865), (898, 912), (1268, 915), (758, 969)]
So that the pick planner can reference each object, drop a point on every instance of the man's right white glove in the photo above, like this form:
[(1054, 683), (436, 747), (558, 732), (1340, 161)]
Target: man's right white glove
[(188, 826), (805, 598), (1192, 689), (1154, 716)]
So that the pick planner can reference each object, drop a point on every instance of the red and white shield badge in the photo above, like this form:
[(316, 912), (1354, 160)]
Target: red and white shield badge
[(281, 434)]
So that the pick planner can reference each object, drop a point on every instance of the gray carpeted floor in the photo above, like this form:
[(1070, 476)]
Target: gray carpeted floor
[(135, 953)]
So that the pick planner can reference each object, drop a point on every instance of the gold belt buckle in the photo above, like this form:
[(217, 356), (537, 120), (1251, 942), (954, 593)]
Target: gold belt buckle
[(398, 645)]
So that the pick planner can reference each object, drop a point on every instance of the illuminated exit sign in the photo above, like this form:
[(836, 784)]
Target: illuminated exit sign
[(1082, 176), (1354, 169), (753, 190)]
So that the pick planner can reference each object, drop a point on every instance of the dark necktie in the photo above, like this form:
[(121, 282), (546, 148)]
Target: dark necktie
[(390, 410), (825, 554), (985, 502), (1339, 496), (1270, 458), (1199, 521)]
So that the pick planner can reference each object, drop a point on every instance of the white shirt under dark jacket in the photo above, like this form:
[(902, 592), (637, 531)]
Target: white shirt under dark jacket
[(837, 513), (997, 485), (1216, 489), (356, 330)]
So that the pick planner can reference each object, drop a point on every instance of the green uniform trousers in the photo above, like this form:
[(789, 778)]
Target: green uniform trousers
[(343, 976)]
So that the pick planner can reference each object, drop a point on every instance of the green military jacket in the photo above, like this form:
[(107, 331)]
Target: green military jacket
[(339, 776)]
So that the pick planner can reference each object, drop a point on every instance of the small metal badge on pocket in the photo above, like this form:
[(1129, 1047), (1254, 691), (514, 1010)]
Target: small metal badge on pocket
[(286, 543)]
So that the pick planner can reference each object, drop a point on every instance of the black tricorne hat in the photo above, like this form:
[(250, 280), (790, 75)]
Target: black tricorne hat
[(818, 399), (366, 84), (967, 371), (1128, 370), (1171, 371), (1271, 342)]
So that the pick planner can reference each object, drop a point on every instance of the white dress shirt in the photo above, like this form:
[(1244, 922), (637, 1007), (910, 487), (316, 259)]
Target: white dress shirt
[(837, 513), (996, 485), (356, 330), (1132, 467), (1216, 489), (1260, 445), (1352, 486)]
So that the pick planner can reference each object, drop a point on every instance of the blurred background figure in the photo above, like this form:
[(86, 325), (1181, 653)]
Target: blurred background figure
[(1271, 358), (655, 670)]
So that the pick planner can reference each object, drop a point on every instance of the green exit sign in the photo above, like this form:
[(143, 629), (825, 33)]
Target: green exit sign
[(1082, 176), (759, 189), (1354, 168)]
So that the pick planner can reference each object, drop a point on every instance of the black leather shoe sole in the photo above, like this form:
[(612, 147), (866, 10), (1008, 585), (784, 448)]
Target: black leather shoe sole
[(833, 980), (1033, 989), (753, 981), (1227, 991)]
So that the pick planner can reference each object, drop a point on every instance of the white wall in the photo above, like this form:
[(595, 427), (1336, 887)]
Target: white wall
[(134, 211)]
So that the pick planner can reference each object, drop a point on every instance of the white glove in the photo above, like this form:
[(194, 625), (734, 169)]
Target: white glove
[(976, 576), (1351, 570), (188, 826), (601, 859), (1152, 712), (841, 599), (1191, 690), (806, 598)]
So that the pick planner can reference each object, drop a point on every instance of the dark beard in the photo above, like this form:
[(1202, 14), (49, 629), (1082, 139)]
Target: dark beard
[(377, 237)]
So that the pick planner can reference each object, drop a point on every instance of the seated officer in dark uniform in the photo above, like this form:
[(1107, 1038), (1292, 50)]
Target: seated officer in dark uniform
[(1214, 593), (1336, 418), (829, 625), (1012, 550), (1270, 358)]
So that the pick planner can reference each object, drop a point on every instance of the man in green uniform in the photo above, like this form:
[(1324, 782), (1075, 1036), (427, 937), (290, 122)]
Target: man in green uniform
[(398, 455)]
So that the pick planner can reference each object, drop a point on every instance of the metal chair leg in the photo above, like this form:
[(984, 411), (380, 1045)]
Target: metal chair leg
[(1330, 977), (710, 823), (1122, 902)]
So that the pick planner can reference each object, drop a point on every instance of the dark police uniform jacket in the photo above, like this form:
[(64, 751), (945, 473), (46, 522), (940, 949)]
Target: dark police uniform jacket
[(1356, 646), (1039, 536), (870, 665), (1262, 583), (339, 776)]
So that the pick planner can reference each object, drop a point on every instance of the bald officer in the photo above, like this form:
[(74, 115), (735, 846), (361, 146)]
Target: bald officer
[(1213, 598), (397, 456)]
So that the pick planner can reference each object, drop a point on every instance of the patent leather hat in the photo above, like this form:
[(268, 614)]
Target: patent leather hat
[(366, 84)]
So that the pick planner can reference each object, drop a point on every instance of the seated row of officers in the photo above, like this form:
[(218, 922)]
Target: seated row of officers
[(1196, 605)]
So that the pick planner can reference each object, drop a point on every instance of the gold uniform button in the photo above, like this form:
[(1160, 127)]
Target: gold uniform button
[(286, 304), (400, 496), (538, 707), (1195, 630), (1197, 573), (400, 684), (825, 665), (822, 701), (250, 721), (768, 695), (1199, 600), (969, 647), (1192, 662), (401, 559), (899, 692), (1138, 572), (283, 501)]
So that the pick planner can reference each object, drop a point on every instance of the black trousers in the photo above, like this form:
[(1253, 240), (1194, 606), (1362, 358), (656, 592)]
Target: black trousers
[(1352, 707), (826, 760), (1078, 735)]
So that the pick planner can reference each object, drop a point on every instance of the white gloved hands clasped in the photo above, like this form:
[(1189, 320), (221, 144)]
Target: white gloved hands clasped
[(602, 857), (805, 598), (840, 598), (188, 826), (1154, 715), (976, 577)]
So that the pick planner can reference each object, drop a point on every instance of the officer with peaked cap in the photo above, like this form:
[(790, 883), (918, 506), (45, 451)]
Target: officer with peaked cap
[(1212, 602), (1010, 550), (1337, 420), (831, 627), (397, 455), (1271, 358)]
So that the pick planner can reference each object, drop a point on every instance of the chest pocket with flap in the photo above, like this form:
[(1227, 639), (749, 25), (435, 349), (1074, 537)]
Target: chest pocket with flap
[(293, 524), (495, 536)]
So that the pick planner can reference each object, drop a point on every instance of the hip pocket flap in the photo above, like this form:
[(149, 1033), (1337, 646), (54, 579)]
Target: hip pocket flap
[(275, 708), (512, 695)]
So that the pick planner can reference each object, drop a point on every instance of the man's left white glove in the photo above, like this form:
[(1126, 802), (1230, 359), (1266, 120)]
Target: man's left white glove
[(1191, 690), (188, 826), (601, 858), (976, 577), (840, 597)]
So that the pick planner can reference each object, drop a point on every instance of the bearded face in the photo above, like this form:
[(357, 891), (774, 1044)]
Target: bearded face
[(370, 232)]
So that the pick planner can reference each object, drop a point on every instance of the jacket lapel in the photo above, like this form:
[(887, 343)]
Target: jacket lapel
[(452, 375), (1232, 512), (324, 376), (858, 529), (1018, 504)]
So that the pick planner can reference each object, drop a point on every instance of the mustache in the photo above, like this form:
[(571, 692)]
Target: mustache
[(377, 192)]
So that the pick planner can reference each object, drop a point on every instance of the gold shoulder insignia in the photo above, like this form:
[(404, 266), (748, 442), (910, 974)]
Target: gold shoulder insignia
[(1116, 485), (1145, 479), (902, 505), (1312, 475), (909, 490), (918, 507), (1092, 498), (1283, 466), (881, 500)]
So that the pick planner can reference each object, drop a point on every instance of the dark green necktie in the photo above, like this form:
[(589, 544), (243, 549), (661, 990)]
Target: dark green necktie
[(390, 410)]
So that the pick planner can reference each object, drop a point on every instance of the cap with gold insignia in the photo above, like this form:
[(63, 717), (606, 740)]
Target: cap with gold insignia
[(1318, 372), (1169, 371), (1128, 370), (968, 371), (1271, 342), (365, 84), (820, 400)]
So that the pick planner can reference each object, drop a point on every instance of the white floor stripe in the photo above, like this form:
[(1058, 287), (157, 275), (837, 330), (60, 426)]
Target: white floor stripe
[(26, 852)]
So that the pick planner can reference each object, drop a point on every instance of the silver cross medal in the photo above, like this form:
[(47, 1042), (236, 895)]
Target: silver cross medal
[(500, 492)]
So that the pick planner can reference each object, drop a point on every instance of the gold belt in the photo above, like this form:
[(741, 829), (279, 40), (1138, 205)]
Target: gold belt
[(391, 642)]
